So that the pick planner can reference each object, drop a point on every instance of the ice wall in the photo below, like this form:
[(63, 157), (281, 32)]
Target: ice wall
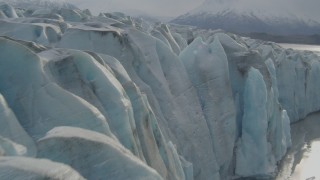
[(250, 74), (73, 88), (159, 73), (207, 67), (171, 102), (295, 73)]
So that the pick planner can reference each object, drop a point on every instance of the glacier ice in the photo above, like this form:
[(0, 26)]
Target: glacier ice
[(146, 123), (293, 74), (160, 74), (273, 122), (279, 122), (45, 34), (253, 149), (82, 75), (38, 103), (172, 102), (94, 155), (207, 67), (180, 40), (9, 148), (164, 30), (12, 133), (294, 71), (20, 168), (7, 11)]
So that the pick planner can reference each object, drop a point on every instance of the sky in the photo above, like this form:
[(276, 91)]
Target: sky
[(173, 8)]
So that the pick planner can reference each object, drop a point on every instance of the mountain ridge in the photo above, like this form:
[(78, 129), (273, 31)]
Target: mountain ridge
[(234, 17)]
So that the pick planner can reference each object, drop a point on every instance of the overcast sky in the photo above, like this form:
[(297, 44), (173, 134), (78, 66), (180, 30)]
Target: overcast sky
[(171, 8)]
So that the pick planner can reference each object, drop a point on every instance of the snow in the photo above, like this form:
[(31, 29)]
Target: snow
[(29, 168), (94, 155)]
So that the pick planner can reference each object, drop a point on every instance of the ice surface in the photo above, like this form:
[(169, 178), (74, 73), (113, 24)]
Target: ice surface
[(295, 72), (38, 32), (94, 155), (46, 13), (187, 102), (20, 168), (187, 168), (8, 11), (72, 15), (164, 30), (9, 148), (2, 15), (38, 103), (207, 67), (155, 150), (91, 78), (240, 61), (180, 40), (11, 130), (253, 150), (159, 73), (279, 122), (81, 74)]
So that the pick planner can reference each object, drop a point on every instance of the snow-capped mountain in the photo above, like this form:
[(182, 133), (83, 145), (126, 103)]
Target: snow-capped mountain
[(247, 16)]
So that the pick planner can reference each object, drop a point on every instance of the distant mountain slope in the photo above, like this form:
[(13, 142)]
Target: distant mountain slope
[(242, 17)]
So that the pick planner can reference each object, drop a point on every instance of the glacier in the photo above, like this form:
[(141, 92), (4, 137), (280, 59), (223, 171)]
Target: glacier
[(93, 154), (116, 97), (31, 168)]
